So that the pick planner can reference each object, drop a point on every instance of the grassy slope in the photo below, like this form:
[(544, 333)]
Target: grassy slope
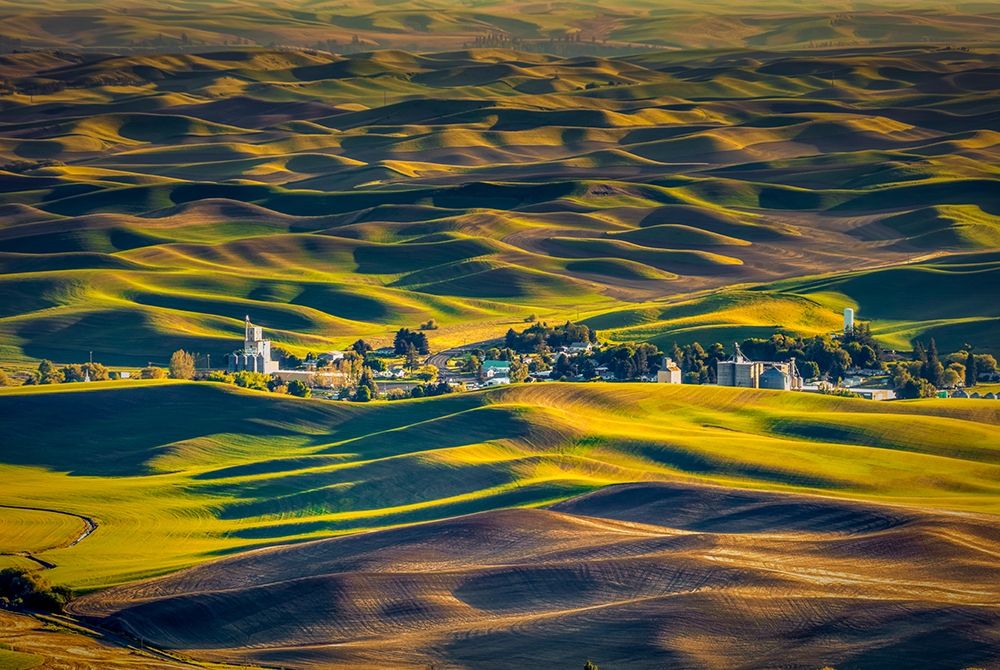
[(246, 469)]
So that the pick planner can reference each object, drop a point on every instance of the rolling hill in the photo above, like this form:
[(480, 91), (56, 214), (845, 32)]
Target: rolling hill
[(574, 27), (941, 298), (663, 172), (637, 576), (246, 469), (151, 200)]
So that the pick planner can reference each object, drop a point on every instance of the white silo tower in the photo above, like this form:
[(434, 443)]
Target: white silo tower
[(848, 320)]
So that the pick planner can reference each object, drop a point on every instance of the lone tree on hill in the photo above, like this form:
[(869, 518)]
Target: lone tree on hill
[(181, 365)]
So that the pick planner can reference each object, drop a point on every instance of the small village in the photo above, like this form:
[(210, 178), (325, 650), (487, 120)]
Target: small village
[(407, 369), (854, 366)]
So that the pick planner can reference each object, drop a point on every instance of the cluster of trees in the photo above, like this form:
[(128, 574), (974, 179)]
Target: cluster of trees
[(698, 364), (361, 348), (421, 391), (366, 389), (260, 381), (49, 373), (541, 338), (826, 357), (23, 590), (927, 371), (822, 355), (181, 367), (520, 368), (815, 357), (407, 341), (629, 360), (431, 389)]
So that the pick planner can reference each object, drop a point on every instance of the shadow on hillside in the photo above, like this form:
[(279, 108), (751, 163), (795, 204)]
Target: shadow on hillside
[(117, 432)]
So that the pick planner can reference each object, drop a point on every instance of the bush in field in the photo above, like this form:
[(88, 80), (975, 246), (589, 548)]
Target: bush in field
[(152, 372), (222, 377), (299, 388), (429, 390), (252, 380)]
